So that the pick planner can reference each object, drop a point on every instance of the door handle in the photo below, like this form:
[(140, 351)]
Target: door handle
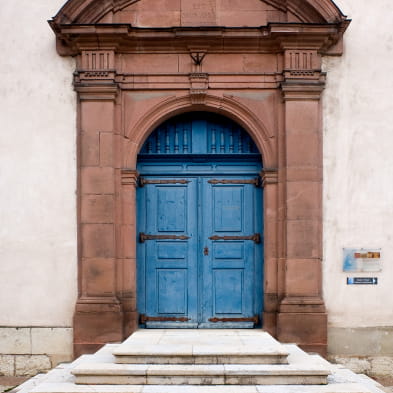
[(206, 251)]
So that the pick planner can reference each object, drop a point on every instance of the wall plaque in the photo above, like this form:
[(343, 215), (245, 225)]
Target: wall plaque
[(362, 260)]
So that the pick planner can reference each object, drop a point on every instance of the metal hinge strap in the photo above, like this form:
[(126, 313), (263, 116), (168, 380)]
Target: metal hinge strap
[(256, 181), (143, 181), (143, 237), (256, 237), (254, 319), (144, 318)]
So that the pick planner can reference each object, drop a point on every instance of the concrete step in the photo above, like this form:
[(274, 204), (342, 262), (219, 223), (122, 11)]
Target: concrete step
[(125, 374), (207, 346)]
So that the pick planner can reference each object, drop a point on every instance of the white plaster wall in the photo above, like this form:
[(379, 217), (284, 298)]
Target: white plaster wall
[(358, 164), (38, 262)]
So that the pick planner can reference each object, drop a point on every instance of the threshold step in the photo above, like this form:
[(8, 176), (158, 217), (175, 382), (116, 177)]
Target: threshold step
[(126, 374), (193, 346)]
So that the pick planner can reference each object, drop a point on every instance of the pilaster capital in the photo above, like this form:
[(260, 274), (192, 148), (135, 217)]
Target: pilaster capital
[(303, 78), (95, 76), (129, 177)]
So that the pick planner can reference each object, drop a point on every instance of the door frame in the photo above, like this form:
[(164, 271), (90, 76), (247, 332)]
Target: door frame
[(257, 295)]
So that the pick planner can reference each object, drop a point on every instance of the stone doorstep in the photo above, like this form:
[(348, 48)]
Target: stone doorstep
[(303, 374), (72, 388), (60, 379), (200, 347)]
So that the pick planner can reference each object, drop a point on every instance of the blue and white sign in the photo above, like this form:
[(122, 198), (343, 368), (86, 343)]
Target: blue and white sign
[(362, 280)]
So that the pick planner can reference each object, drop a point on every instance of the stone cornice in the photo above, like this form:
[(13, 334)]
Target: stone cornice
[(73, 39)]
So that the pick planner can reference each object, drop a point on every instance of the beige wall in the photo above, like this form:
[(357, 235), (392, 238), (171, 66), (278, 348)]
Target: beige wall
[(358, 164), (38, 262)]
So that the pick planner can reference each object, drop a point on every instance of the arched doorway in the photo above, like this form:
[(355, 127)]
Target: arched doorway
[(200, 247)]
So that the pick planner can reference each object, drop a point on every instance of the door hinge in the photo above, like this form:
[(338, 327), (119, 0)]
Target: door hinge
[(143, 181), (143, 237), (144, 318), (256, 181), (254, 319), (256, 238)]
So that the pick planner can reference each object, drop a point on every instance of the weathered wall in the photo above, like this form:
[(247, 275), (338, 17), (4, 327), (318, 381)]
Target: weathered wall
[(38, 261), (358, 173)]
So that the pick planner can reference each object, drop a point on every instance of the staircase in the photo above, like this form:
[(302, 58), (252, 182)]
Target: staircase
[(200, 361)]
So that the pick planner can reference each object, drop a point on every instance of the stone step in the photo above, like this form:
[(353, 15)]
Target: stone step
[(331, 388), (207, 346), (126, 374)]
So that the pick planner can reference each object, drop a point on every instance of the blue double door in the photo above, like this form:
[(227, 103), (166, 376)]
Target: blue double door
[(200, 251)]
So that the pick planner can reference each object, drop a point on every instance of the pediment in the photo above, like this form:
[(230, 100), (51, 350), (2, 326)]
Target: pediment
[(185, 13)]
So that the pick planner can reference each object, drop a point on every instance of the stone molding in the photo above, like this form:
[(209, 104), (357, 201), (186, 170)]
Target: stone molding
[(269, 176), (91, 11), (129, 177)]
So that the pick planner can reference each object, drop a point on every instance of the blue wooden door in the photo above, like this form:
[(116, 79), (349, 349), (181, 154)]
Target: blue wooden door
[(231, 267), (168, 246)]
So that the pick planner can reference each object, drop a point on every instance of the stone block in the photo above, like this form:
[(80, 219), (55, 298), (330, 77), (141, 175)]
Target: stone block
[(303, 150), (106, 149), (304, 200), (97, 116), (51, 341), (98, 276), (127, 235), (302, 117), (90, 149), (97, 180), (303, 277), (305, 329), (15, 340), (97, 209), (356, 364), (98, 241), (31, 364), (381, 366), (7, 365), (304, 239), (354, 342)]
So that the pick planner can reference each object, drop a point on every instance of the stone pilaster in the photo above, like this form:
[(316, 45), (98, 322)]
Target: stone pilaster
[(302, 317), (98, 314)]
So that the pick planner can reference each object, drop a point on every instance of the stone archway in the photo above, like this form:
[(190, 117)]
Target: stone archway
[(136, 68)]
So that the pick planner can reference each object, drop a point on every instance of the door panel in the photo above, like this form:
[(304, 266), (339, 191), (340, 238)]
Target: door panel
[(229, 274), (170, 278)]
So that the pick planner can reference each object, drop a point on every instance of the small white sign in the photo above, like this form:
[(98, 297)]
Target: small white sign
[(362, 260)]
